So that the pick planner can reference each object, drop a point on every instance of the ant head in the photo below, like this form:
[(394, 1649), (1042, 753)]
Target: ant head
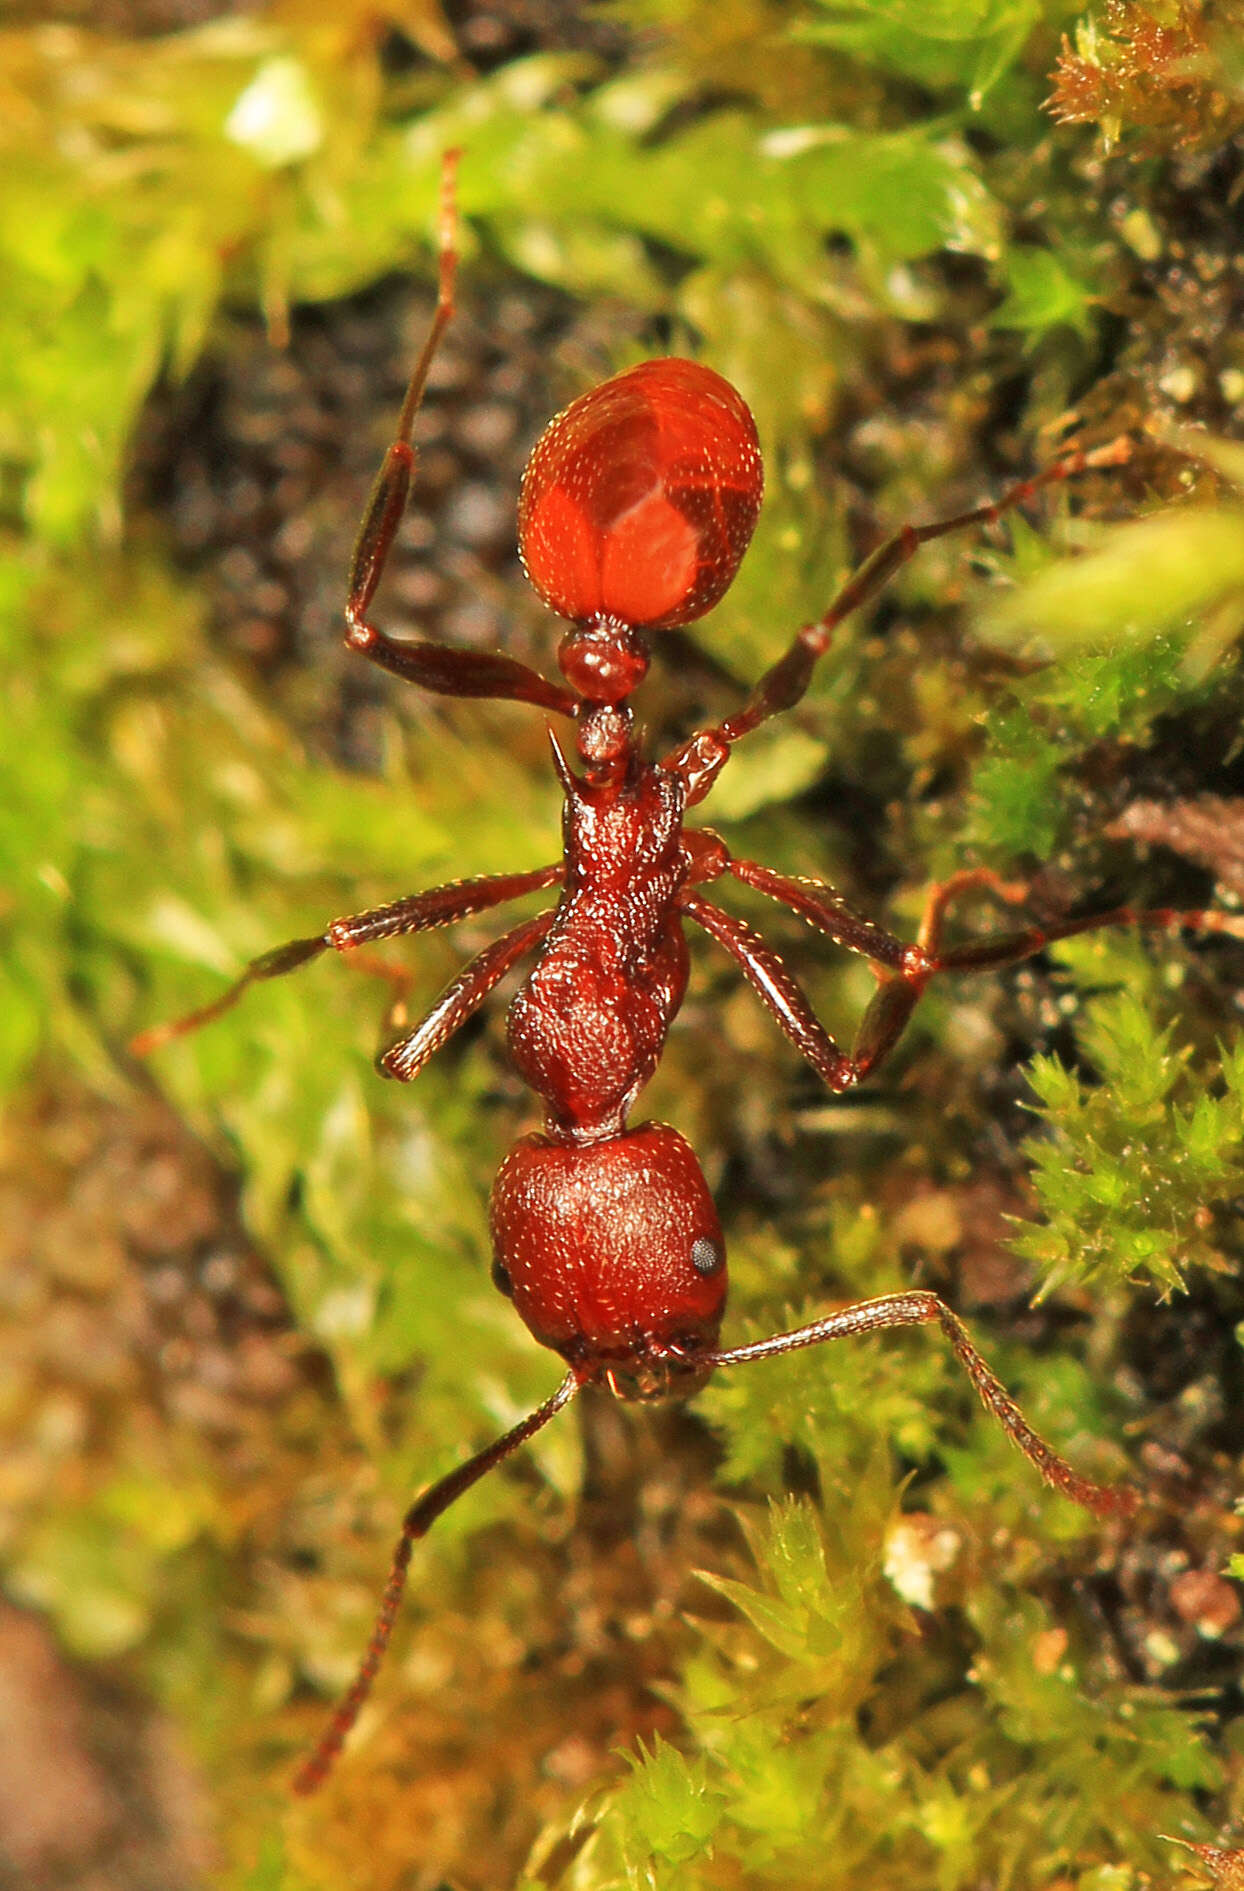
[(613, 1255), (636, 509)]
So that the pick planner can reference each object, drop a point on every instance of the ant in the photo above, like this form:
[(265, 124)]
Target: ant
[(636, 509)]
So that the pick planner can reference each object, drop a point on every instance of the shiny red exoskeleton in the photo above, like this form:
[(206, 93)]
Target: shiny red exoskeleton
[(636, 509)]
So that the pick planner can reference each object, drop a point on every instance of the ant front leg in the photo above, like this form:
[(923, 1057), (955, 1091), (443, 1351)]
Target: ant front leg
[(461, 998), (420, 912), (433, 666)]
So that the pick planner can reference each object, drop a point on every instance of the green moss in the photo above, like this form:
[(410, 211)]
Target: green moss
[(1131, 1163)]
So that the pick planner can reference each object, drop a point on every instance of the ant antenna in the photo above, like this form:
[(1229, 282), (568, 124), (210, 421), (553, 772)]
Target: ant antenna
[(916, 1308), (920, 1308), (418, 1521)]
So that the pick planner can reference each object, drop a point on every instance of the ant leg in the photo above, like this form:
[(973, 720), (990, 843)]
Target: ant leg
[(439, 906), (462, 997), (920, 1308), (438, 667), (418, 1521), (881, 1026), (824, 907), (946, 892), (905, 969), (777, 990), (883, 1022), (701, 757), (274, 964), (903, 974), (449, 672), (1000, 949)]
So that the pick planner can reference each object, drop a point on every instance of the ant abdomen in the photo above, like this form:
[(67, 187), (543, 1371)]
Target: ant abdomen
[(640, 498), (613, 1252)]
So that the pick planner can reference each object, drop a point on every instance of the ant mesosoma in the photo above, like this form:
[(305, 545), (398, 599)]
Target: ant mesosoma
[(636, 508)]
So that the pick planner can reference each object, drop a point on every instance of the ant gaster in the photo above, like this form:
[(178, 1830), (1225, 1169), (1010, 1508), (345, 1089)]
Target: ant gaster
[(636, 508)]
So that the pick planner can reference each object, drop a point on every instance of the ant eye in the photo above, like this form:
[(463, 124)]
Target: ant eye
[(707, 1256), (501, 1280)]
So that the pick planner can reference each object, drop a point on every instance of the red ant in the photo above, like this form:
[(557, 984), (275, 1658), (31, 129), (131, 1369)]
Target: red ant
[(636, 508)]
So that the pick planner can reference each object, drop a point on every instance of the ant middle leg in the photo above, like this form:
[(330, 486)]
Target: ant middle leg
[(883, 1023), (777, 990), (419, 912), (904, 970), (461, 998), (995, 950), (947, 892)]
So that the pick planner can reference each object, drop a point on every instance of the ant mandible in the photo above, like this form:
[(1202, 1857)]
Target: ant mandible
[(636, 508)]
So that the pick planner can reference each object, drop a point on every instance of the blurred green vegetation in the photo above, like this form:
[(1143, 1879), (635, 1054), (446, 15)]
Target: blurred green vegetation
[(901, 1659)]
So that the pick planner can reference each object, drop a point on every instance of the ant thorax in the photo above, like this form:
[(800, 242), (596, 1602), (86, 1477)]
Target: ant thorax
[(587, 1028)]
